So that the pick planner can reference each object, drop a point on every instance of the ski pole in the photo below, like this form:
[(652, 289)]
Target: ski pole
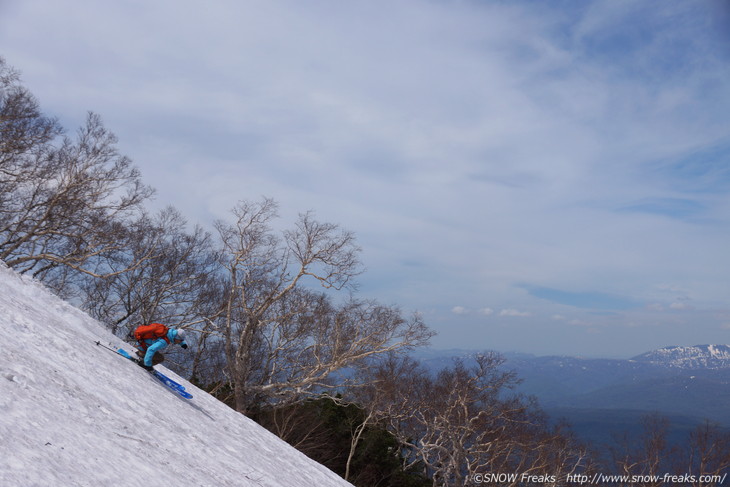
[(108, 348), (118, 351)]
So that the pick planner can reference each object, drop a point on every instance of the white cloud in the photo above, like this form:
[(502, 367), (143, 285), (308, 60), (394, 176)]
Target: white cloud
[(460, 310)]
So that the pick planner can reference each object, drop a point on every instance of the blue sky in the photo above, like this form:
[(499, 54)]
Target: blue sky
[(544, 177)]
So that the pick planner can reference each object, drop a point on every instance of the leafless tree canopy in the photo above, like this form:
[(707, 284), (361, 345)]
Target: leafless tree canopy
[(63, 201), (285, 339), (464, 421), (703, 459), (165, 275)]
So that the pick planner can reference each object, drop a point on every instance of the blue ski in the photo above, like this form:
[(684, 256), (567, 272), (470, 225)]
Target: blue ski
[(171, 384)]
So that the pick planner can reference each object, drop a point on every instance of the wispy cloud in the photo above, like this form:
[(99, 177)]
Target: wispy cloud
[(702, 169), (586, 300), (514, 312), (679, 208)]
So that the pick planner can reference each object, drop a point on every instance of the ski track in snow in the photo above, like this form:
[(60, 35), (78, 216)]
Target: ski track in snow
[(75, 414)]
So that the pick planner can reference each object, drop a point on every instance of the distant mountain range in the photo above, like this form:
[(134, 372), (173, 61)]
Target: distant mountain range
[(688, 384), (697, 357)]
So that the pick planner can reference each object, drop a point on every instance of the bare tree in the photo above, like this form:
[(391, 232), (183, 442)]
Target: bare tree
[(283, 339), (311, 338), (24, 133), (167, 286), (63, 202), (388, 391), (648, 454), (463, 421), (707, 456), (703, 460)]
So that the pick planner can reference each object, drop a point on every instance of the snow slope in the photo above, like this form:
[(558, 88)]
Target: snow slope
[(75, 414)]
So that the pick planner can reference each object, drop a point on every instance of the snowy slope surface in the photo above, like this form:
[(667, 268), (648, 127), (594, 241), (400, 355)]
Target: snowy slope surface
[(75, 414)]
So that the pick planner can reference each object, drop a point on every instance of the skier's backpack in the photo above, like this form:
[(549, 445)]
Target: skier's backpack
[(153, 331)]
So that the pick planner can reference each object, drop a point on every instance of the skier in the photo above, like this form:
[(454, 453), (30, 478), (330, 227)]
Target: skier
[(153, 338)]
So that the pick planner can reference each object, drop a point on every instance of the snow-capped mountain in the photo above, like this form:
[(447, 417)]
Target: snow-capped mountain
[(72, 413), (695, 357)]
